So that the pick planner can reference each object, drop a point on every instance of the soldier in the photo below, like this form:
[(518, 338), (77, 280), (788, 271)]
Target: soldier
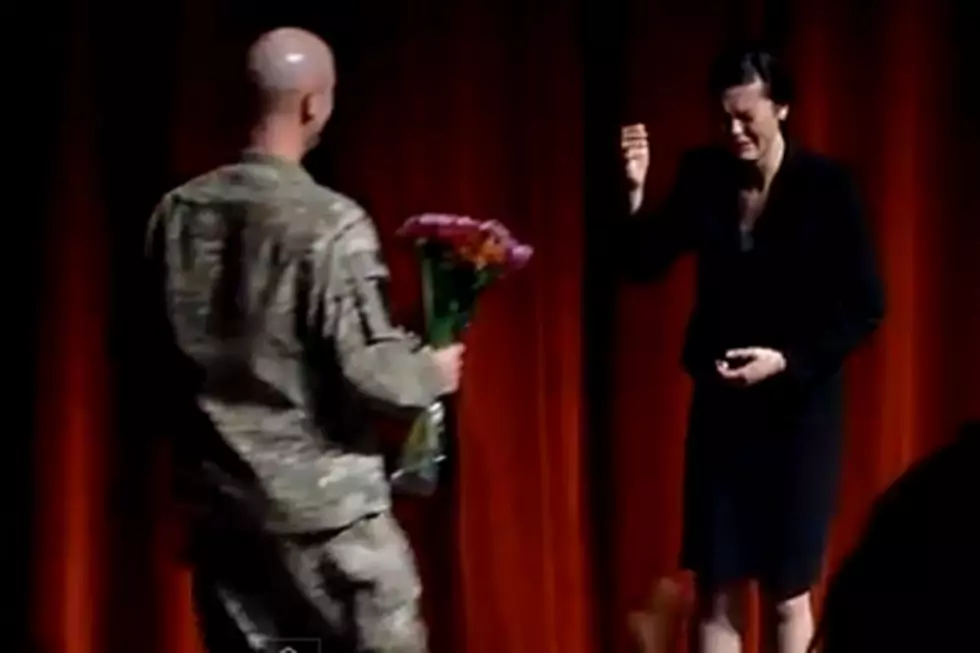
[(270, 290)]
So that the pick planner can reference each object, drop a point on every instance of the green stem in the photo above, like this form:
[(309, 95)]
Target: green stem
[(439, 319), (428, 292)]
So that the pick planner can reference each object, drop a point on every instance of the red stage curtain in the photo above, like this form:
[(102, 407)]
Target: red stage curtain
[(477, 107), (73, 409)]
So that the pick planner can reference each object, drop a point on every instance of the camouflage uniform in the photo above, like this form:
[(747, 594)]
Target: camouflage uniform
[(273, 293)]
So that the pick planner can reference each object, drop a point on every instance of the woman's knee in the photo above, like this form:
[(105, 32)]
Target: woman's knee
[(789, 608), (724, 605)]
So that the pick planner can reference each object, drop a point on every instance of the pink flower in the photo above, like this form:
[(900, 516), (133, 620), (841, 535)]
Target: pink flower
[(481, 244), (518, 256), (496, 230), (438, 226)]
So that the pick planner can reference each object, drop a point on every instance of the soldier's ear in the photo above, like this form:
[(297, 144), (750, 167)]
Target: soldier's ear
[(307, 108), (316, 108)]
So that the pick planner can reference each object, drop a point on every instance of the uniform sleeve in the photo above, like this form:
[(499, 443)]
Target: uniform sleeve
[(856, 291), (381, 361), (151, 301), (166, 391), (654, 238)]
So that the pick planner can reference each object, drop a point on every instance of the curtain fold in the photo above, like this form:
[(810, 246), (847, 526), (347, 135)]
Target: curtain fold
[(73, 403)]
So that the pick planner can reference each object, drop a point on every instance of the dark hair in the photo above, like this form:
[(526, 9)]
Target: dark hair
[(740, 64)]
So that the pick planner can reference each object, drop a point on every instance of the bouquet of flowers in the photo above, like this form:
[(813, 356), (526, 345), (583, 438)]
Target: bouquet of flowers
[(460, 258)]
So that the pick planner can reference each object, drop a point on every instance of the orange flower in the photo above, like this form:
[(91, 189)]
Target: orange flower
[(486, 249)]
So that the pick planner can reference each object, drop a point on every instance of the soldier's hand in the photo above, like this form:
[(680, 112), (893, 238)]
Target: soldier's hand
[(636, 154), (449, 360)]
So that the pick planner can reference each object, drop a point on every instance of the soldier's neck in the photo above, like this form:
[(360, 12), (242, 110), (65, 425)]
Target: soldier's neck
[(274, 139)]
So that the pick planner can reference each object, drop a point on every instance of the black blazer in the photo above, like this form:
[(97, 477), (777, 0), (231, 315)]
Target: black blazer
[(805, 282)]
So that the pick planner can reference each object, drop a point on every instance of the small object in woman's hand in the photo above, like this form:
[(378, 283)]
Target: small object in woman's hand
[(736, 362)]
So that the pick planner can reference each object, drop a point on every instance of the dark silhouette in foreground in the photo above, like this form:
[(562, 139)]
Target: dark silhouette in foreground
[(911, 583)]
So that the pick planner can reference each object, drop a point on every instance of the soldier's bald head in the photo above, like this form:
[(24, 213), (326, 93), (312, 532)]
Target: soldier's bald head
[(287, 64)]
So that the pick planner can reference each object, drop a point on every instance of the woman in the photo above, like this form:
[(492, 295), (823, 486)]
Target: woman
[(786, 288)]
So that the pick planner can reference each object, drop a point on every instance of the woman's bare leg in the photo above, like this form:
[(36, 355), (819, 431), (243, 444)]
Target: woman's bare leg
[(788, 624), (721, 621)]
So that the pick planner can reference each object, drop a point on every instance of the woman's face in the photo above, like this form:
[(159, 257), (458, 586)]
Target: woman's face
[(751, 120)]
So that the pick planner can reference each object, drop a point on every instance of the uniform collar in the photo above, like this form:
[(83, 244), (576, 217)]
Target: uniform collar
[(271, 160)]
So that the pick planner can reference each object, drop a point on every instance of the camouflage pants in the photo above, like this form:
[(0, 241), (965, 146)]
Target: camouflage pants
[(350, 591)]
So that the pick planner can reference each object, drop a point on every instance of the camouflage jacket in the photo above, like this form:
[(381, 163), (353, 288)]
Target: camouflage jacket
[(272, 292)]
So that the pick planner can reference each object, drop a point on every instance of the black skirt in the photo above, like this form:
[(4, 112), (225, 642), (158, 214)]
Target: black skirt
[(761, 474)]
